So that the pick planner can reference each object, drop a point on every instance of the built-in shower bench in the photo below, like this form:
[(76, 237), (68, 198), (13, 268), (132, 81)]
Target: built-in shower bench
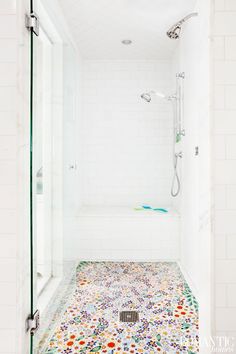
[(122, 233)]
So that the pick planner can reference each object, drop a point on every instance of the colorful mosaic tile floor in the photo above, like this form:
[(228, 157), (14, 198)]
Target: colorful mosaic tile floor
[(168, 311)]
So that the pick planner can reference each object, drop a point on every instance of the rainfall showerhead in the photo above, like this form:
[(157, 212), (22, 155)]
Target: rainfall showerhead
[(174, 31), (147, 96)]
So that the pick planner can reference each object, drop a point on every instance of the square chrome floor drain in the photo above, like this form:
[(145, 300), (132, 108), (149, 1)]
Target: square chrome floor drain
[(129, 316)]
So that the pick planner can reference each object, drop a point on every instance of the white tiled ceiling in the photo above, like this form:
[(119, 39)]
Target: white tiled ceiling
[(98, 26)]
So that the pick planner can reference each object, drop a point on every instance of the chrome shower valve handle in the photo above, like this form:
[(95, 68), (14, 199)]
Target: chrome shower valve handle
[(179, 154)]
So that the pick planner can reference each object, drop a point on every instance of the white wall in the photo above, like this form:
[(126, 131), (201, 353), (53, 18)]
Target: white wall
[(72, 113), (224, 165), (126, 142), (196, 91), (194, 60), (73, 88), (8, 180), (14, 177)]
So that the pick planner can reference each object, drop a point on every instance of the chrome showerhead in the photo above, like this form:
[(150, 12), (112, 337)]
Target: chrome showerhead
[(174, 31)]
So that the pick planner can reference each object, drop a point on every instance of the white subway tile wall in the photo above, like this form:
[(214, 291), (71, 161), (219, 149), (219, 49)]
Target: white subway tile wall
[(219, 5), (8, 180), (219, 46), (224, 158), (127, 141)]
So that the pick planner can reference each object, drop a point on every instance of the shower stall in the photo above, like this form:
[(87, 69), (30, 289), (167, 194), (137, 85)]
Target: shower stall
[(114, 178)]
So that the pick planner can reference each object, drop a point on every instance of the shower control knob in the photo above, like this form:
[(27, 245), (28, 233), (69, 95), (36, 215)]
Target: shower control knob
[(179, 154), (73, 167), (181, 75)]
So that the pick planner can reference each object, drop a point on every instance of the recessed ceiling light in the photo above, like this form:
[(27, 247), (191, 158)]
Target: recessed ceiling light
[(126, 41)]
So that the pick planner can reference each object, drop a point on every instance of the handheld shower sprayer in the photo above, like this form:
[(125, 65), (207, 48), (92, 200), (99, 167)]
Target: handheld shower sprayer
[(147, 96), (175, 101)]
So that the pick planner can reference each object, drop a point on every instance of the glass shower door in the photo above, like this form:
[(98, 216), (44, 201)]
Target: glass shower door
[(43, 160), (52, 118)]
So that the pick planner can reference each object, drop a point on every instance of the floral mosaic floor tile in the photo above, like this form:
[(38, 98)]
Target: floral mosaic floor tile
[(168, 311)]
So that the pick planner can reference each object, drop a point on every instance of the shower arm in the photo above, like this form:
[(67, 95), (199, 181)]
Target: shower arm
[(186, 18)]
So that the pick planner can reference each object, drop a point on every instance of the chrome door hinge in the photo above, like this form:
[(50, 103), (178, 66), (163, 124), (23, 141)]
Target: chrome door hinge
[(32, 23), (33, 323)]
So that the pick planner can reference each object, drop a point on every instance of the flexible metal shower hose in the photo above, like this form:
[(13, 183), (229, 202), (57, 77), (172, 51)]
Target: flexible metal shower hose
[(176, 180)]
